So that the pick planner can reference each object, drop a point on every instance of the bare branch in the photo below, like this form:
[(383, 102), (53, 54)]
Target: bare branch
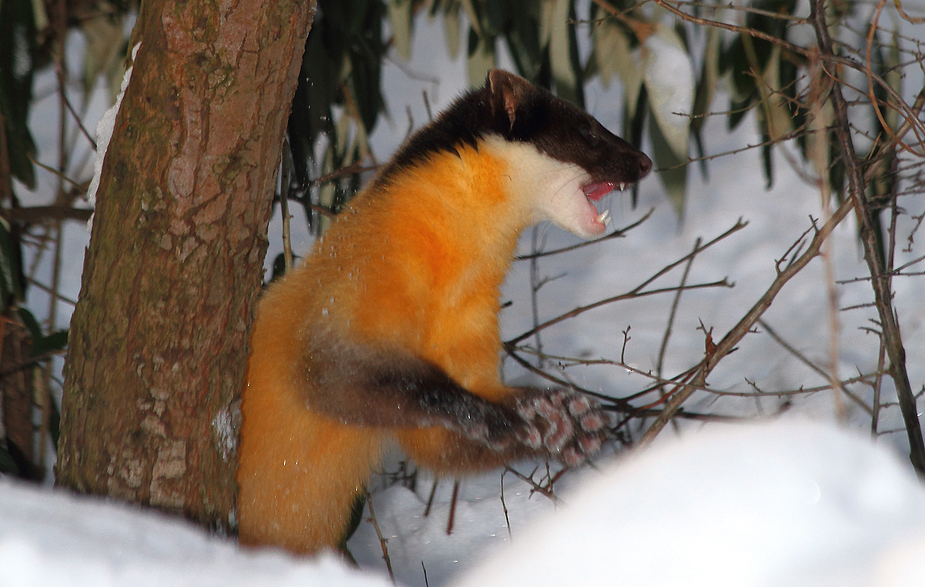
[(745, 325), (881, 280)]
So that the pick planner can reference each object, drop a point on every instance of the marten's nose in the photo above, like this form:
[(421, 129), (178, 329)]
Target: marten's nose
[(645, 165)]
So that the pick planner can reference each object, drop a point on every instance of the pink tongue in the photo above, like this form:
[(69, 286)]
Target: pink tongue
[(596, 191)]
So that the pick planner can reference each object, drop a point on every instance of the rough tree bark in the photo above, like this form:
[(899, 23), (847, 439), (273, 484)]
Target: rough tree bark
[(158, 341)]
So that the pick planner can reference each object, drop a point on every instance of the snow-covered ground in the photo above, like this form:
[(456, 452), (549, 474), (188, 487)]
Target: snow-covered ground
[(792, 503), (799, 502)]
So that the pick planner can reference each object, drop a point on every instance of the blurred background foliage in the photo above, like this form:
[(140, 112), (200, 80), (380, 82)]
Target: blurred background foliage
[(677, 64)]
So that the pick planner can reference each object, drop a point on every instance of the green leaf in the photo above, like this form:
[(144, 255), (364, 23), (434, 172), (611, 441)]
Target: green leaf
[(451, 27), (31, 324), (767, 162), (556, 34), (10, 269), (672, 170), (634, 124), (790, 74), (633, 127), (887, 65), (706, 89), (614, 56), (311, 113), (54, 422), (818, 148), (401, 18), (105, 47), (481, 57), (738, 109), (8, 463), (17, 69), (669, 79), (735, 63), (42, 343), (496, 17), (474, 21), (340, 76), (748, 56), (56, 341), (575, 57), (523, 40)]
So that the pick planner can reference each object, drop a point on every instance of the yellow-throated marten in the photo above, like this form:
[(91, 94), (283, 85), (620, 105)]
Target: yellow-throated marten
[(389, 330)]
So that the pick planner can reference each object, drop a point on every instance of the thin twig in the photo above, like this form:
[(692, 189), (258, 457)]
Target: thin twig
[(674, 310), (36, 214), (507, 518), (534, 486), (284, 179), (619, 233), (635, 293), (383, 542), (881, 280), (870, 85), (638, 290), (745, 325), (535, 284), (452, 517)]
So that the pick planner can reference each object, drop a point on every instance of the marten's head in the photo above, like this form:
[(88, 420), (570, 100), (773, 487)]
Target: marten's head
[(562, 159)]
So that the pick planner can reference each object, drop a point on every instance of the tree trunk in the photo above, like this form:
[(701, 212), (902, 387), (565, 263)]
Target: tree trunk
[(158, 341)]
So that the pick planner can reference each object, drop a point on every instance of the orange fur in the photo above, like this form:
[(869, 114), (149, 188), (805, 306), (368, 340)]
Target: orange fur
[(416, 263)]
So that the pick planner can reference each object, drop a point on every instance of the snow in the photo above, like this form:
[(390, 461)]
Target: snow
[(791, 503), (53, 538), (803, 501), (104, 129), (788, 503)]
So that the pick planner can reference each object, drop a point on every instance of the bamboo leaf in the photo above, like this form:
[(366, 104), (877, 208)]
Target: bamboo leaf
[(400, 16), (706, 85), (8, 463), (524, 40), (481, 57), (555, 17), (775, 115), (672, 170), (56, 341), (633, 126), (10, 270), (613, 54), (451, 26), (474, 22), (105, 48), (767, 163), (496, 16), (669, 79), (17, 68), (893, 75)]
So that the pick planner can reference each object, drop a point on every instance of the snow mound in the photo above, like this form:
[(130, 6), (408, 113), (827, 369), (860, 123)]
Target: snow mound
[(54, 538), (752, 505), (780, 504)]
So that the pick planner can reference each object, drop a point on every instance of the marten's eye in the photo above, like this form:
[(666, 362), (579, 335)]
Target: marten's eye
[(588, 135)]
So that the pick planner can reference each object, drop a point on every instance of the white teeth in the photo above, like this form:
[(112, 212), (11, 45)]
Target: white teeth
[(604, 217), (622, 186)]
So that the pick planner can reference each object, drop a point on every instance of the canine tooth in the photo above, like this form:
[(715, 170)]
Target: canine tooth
[(604, 217)]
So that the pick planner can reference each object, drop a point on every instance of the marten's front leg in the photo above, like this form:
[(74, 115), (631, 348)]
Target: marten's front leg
[(362, 386), (571, 426)]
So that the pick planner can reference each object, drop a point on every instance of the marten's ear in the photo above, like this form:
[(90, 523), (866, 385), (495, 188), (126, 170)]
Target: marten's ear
[(508, 93)]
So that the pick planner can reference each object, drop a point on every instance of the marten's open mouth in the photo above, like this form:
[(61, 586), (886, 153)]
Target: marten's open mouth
[(597, 190)]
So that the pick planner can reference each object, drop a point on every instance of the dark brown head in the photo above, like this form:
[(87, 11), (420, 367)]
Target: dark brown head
[(534, 122), (528, 113)]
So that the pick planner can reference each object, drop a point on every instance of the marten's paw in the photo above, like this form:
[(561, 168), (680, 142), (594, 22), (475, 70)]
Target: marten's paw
[(565, 424)]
